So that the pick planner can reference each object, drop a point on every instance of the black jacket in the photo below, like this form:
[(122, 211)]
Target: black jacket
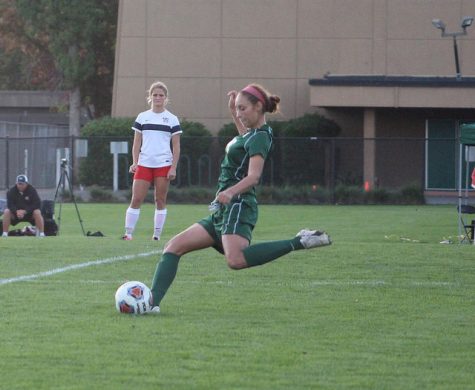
[(29, 200)]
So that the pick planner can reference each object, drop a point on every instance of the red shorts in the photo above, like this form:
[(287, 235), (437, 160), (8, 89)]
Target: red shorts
[(149, 174)]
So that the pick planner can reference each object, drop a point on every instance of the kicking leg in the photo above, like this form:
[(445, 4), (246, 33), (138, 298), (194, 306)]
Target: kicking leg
[(193, 238), (265, 252)]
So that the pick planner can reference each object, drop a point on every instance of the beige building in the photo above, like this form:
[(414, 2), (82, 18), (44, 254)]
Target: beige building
[(378, 67)]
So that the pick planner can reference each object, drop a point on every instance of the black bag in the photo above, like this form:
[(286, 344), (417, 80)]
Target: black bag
[(51, 228), (15, 233)]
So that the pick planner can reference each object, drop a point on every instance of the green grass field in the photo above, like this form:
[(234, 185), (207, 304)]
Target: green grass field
[(385, 307)]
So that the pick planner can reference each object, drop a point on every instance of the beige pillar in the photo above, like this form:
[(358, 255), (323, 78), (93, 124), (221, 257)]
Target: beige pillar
[(369, 148)]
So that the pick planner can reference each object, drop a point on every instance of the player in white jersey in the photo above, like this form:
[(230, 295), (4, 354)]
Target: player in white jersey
[(154, 161)]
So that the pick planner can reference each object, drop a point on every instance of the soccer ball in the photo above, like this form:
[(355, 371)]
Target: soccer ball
[(133, 298)]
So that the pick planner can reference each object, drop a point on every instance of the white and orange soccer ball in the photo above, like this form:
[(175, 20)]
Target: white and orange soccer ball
[(133, 298)]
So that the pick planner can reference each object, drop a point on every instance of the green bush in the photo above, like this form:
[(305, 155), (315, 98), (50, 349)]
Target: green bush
[(311, 125), (96, 168), (196, 141), (412, 194), (195, 146), (226, 134), (312, 151), (292, 195), (101, 195), (348, 195), (289, 194), (379, 196)]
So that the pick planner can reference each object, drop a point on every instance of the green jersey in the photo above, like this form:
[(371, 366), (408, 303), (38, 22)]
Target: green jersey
[(238, 152)]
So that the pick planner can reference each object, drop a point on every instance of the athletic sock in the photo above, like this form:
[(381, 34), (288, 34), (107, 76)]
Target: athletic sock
[(164, 275), (265, 252), (159, 220), (131, 218)]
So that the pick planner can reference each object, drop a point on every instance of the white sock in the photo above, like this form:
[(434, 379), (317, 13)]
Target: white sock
[(159, 221), (131, 218)]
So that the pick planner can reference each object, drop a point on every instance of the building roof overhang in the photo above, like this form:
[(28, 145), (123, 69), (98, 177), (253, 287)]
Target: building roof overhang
[(28, 99), (392, 91)]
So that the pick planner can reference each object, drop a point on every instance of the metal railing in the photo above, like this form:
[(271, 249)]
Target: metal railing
[(320, 162)]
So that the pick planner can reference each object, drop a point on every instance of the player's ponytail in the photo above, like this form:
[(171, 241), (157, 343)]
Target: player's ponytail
[(257, 93)]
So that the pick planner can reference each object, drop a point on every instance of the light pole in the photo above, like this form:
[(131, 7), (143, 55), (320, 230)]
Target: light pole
[(466, 22)]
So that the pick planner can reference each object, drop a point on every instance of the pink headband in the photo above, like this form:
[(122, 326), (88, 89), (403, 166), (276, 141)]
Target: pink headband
[(256, 93)]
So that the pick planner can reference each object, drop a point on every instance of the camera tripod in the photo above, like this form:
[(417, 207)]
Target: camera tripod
[(61, 184)]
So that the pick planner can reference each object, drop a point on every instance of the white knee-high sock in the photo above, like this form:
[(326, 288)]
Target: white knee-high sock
[(159, 221), (131, 218)]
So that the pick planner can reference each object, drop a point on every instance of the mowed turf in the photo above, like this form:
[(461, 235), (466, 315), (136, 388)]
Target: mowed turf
[(385, 307)]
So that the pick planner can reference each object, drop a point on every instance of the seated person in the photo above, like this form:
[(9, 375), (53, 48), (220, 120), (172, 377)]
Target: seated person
[(23, 205)]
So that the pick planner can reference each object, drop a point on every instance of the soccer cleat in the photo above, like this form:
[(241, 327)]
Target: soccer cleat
[(155, 238), (126, 237), (155, 310), (313, 238)]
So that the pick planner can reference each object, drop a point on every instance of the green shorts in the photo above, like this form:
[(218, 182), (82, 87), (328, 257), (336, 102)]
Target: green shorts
[(238, 217)]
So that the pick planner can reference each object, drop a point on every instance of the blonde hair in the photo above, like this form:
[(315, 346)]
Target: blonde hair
[(155, 85)]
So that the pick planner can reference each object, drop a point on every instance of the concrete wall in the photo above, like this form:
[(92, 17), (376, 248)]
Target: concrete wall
[(203, 48), (34, 107)]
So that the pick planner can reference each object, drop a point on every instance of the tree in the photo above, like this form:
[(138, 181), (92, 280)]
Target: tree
[(24, 63), (71, 43)]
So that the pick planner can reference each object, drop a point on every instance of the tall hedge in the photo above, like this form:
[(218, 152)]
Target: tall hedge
[(306, 159), (296, 161), (96, 169), (195, 148)]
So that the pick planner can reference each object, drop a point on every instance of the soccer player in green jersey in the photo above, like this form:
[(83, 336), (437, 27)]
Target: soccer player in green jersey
[(234, 211)]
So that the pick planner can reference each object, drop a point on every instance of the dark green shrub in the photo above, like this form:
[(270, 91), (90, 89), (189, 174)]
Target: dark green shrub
[(292, 195), (348, 195), (226, 134), (101, 195), (192, 194), (195, 147), (304, 159), (66, 196), (412, 194), (96, 168), (378, 196), (310, 125)]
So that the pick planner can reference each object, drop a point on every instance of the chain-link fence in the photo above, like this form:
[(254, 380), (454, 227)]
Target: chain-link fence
[(319, 162)]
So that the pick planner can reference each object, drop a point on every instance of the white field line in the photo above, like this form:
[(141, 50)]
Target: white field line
[(73, 267), (345, 283), (371, 283)]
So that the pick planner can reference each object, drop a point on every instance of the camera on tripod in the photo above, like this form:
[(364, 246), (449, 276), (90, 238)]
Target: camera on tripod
[(59, 195)]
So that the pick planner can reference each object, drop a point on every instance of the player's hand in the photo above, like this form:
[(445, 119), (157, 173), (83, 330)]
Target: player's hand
[(171, 175), (232, 101), (133, 168), (20, 214), (224, 197)]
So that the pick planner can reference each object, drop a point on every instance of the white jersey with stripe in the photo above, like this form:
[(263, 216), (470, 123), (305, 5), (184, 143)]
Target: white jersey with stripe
[(157, 129)]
